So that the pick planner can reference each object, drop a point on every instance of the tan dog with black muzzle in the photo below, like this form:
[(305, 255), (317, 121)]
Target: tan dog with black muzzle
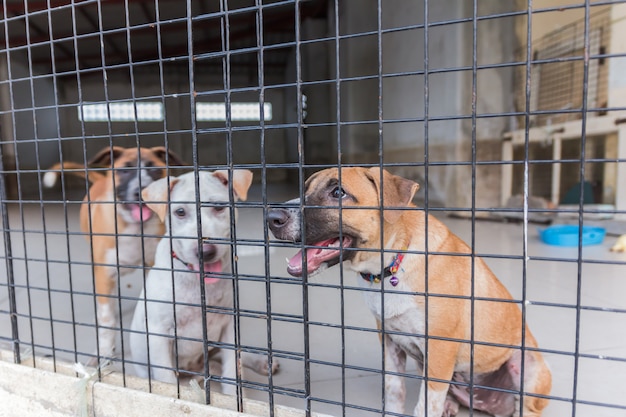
[(122, 230), (446, 275)]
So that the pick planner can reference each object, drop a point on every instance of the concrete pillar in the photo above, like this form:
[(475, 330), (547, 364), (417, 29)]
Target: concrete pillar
[(507, 171), (617, 95), (403, 99), (620, 196)]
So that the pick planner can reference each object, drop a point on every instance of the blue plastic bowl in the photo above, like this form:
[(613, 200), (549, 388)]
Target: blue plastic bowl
[(568, 235)]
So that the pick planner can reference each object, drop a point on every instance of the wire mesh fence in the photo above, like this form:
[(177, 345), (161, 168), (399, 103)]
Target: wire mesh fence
[(161, 159)]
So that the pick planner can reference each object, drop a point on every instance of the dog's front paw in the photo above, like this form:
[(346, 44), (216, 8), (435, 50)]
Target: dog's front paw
[(260, 364), (275, 366), (263, 366)]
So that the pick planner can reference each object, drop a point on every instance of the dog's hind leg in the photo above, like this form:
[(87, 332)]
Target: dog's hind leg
[(537, 380), (440, 363)]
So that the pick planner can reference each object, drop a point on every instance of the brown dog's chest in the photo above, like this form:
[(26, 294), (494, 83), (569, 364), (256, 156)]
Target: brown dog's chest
[(404, 319), (133, 247), (412, 342)]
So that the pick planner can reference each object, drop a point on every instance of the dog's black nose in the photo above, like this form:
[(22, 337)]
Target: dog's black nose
[(277, 218), (209, 251)]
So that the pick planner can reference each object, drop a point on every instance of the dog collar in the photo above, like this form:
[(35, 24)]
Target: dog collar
[(189, 266), (391, 270)]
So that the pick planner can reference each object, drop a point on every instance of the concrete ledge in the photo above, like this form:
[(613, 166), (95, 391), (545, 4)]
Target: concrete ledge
[(43, 388)]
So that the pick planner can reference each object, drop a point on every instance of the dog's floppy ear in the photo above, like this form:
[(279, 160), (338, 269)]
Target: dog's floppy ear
[(103, 158), (172, 159), (156, 195), (397, 192), (242, 178)]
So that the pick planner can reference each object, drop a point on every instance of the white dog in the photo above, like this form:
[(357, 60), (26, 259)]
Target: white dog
[(174, 200)]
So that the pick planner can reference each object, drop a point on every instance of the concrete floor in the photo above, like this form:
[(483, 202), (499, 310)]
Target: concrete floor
[(41, 262)]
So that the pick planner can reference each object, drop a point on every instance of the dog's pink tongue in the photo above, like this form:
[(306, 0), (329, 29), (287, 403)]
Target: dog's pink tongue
[(209, 268), (314, 257), (140, 212), (294, 266)]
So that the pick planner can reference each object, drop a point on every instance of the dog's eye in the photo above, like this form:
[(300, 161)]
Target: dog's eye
[(180, 212), (337, 192), (219, 209)]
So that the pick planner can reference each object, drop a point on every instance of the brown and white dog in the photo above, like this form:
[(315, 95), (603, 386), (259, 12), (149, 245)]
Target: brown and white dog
[(123, 231), (457, 296)]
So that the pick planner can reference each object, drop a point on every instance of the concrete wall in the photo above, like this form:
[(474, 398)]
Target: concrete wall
[(358, 91), (319, 146), (449, 93), (22, 123), (43, 387), (213, 148), (60, 121)]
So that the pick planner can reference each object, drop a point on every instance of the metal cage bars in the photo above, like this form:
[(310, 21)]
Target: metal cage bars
[(225, 55)]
